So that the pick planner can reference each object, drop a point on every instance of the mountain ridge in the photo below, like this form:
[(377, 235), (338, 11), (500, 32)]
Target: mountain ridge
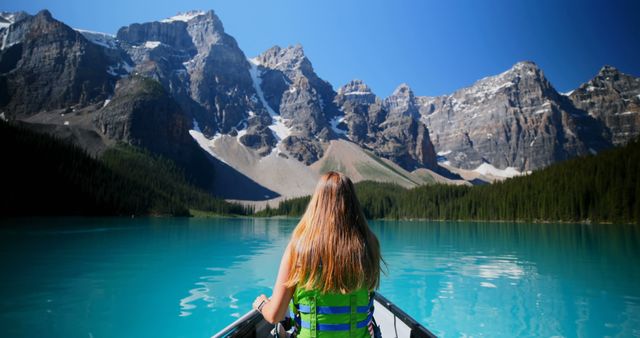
[(276, 105)]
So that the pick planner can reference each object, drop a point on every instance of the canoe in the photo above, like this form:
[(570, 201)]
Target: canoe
[(392, 320)]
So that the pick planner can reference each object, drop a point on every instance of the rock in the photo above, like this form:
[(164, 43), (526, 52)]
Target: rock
[(199, 64), (47, 65), (303, 149), (390, 128), (614, 98), (515, 119), (303, 100), (142, 113), (402, 102)]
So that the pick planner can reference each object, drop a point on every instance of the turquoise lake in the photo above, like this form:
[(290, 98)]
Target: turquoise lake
[(179, 277)]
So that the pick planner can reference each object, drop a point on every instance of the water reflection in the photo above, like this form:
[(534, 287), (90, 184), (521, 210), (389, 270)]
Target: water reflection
[(504, 279), (249, 268)]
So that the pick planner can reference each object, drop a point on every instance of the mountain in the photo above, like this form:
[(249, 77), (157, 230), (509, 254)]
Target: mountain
[(391, 128), (295, 95), (38, 52), (265, 127), (512, 120), (613, 98)]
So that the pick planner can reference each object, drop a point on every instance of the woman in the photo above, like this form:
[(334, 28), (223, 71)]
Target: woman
[(330, 267)]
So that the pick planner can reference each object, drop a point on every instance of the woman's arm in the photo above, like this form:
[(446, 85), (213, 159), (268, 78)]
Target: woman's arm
[(274, 309)]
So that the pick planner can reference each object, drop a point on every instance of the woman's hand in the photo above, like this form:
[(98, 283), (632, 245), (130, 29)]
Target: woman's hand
[(260, 302)]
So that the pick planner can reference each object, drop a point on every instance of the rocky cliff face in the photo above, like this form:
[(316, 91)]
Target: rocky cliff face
[(300, 97), (613, 98), (44, 65), (390, 128), (198, 63), (142, 113), (515, 119)]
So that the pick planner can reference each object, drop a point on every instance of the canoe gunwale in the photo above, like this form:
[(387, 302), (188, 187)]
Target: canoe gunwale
[(246, 325), (417, 330)]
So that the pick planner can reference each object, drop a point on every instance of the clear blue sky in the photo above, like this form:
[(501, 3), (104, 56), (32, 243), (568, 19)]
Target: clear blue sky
[(435, 47)]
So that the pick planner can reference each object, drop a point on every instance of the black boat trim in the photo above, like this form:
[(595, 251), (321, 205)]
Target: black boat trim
[(245, 325)]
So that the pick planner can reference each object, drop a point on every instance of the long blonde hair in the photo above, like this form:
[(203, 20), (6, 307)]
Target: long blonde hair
[(332, 247)]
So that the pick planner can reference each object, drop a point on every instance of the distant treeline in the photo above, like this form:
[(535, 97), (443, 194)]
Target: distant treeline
[(600, 188), (42, 175)]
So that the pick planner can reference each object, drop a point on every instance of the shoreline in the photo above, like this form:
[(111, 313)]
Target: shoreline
[(198, 214)]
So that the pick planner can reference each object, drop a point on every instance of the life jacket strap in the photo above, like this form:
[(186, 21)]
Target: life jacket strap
[(332, 310), (336, 327)]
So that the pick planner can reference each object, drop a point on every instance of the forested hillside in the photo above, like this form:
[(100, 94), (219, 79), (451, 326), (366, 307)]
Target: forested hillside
[(600, 188), (46, 176)]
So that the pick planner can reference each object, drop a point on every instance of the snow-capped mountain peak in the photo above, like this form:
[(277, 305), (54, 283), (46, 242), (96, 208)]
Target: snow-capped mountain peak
[(185, 16)]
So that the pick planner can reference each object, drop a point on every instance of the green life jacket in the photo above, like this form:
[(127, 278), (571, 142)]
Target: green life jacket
[(332, 315)]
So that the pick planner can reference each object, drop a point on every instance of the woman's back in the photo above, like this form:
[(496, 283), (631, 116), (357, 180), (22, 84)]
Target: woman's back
[(333, 249), (330, 267)]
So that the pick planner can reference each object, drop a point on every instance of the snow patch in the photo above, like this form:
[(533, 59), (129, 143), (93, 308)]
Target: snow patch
[(278, 127), (488, 169), (9, 17), (444, 153), (591, 88), (541, 111), (628, 113), (152, 44), (2, 117), (184, 17), (335, 121), (358, 93), (106, 102), (118, 69), (205, 143), (101, 39), (568, 93), (241, 133), (66, 123)]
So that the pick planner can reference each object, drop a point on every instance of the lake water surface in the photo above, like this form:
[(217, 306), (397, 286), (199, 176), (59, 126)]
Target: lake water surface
[(178, 277)]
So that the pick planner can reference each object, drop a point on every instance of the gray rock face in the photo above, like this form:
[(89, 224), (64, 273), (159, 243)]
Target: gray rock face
[(44, 65), (515, 119), (142, 113), (614, 98), (199, 64), (302, 99), (11, 34), (169, 33), (390, 128), (289, 64), (402, 102)]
